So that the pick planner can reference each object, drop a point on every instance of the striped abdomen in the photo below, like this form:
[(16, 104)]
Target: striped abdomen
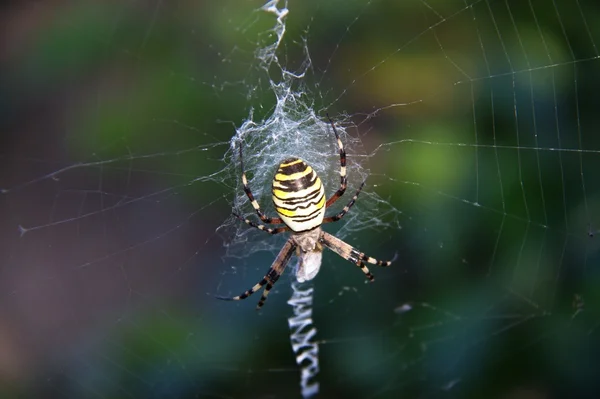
[(298, 195)]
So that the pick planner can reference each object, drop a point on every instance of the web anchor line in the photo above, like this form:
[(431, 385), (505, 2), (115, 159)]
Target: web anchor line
[(302, 333)]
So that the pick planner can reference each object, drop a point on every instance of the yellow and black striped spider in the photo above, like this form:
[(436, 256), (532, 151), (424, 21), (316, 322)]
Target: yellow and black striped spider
[(299, 199)]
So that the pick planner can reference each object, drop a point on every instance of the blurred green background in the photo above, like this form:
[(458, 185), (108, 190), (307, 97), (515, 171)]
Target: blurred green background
[(480, 120)]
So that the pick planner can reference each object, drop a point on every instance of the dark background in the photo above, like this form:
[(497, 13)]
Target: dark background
[(115, 211)]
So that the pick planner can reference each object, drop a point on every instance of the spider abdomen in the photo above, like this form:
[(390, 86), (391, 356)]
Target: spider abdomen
[(298, 195)]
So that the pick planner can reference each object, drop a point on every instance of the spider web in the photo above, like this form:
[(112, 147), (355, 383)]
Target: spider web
[(472, 121)]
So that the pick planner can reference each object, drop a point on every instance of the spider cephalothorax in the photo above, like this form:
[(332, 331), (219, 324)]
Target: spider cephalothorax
[(299, 198)]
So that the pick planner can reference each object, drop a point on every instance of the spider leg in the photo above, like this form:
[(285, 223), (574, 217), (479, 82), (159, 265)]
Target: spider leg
[(341, 214), (343, 178), (352, 254), (261, 226), (270, 278), (253, 201)]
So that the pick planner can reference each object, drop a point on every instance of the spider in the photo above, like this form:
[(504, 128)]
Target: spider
[(299, 199)]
